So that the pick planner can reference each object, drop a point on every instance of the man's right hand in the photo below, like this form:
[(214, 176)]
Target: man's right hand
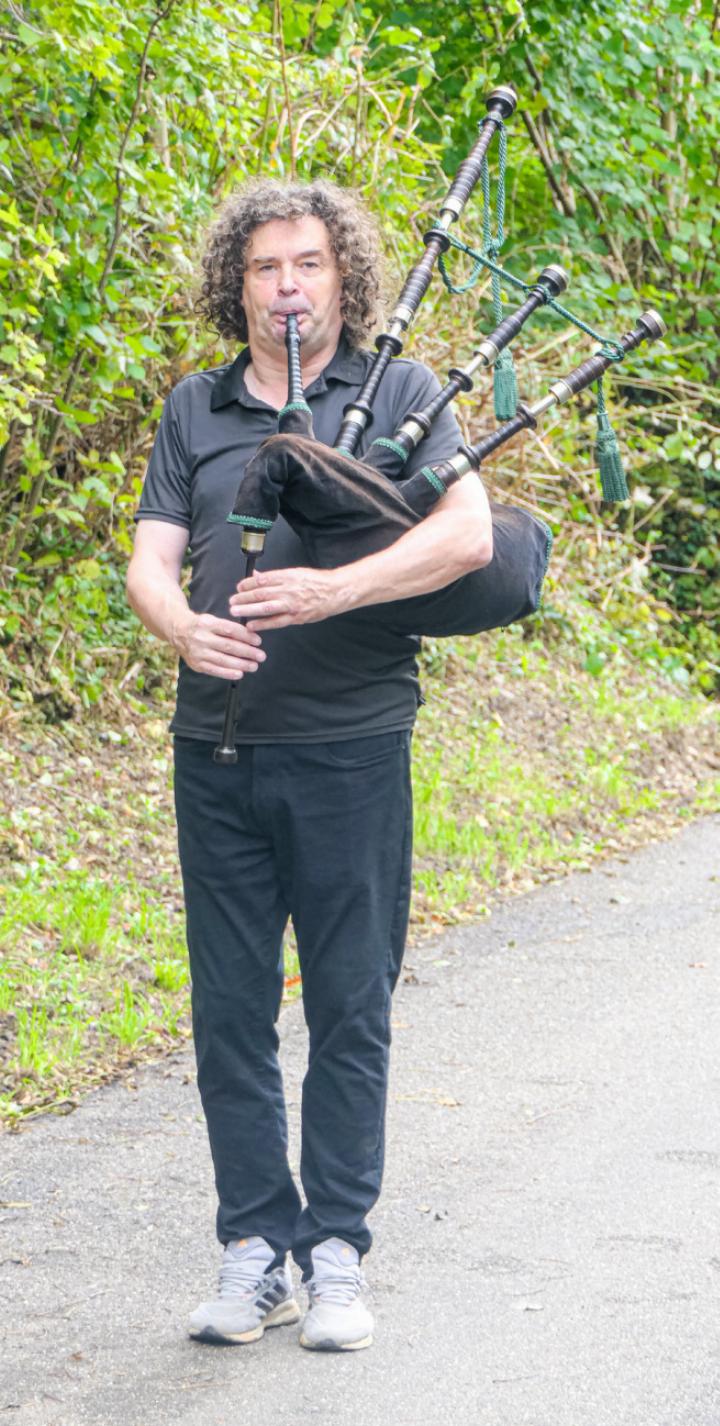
[(221, 647)]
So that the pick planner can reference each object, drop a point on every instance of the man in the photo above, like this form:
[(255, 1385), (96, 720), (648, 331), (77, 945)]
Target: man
[(313, 822)]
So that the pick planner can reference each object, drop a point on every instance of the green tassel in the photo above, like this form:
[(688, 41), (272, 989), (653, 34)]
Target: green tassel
[(505, 387), (607, 455)]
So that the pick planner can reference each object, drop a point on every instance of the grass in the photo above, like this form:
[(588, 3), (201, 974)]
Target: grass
[(94, 977), (89, 970), (565, 765), (530, 760)]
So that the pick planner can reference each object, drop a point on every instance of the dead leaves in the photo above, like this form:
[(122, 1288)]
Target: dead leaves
[(430, 1096)]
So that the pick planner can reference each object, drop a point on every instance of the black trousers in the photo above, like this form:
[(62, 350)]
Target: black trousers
[(321, 833)]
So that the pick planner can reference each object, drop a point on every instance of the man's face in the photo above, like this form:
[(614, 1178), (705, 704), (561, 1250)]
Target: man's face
[(290, 267)]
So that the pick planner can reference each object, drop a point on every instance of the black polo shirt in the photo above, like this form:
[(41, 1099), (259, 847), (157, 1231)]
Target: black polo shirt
[(342, 678)]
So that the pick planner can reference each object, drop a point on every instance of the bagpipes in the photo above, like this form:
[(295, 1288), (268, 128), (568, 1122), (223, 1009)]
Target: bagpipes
[(343, 508)]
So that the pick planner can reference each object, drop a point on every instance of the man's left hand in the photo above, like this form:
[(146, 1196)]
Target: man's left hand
[(273, 598)]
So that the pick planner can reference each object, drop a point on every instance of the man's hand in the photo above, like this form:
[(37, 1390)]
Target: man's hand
[(274, 598), (217, 646), (455, 538)]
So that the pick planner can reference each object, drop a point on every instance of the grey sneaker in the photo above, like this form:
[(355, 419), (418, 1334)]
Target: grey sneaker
[(251, 1298), (338, 1320)]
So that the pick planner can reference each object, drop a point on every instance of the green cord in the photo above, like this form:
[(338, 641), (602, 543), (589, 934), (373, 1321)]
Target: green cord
[(610, 348), (607, 454), (505, 392), (607, 450)]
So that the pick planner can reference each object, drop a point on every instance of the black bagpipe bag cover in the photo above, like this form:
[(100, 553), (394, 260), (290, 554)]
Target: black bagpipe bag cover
[(342, 509)]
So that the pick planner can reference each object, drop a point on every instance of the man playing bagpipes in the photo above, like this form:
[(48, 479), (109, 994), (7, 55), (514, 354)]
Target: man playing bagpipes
[(313, 819), (292, 787)]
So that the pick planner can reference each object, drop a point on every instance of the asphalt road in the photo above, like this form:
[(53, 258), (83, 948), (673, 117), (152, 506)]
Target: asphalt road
[(547, 1248)]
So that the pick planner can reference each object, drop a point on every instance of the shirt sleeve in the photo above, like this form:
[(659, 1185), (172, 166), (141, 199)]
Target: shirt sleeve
[(445, 435), (166, 489)]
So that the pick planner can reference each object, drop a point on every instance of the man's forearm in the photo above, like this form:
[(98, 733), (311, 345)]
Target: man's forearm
[(159, 602), (446, 545), (206, 644)]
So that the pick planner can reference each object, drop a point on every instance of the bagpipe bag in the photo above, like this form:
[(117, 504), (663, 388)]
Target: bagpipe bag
[(343, 509)]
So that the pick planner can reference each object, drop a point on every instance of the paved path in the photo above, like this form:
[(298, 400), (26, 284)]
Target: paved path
[(548, 1242)]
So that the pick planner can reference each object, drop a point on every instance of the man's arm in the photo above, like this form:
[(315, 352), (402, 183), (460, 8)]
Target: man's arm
[(209, 645), (455, 538)]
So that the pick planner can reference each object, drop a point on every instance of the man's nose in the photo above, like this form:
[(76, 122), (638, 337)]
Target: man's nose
[(287, 280)]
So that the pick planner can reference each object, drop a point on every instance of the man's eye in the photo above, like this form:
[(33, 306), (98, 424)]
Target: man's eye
[(311, 264)]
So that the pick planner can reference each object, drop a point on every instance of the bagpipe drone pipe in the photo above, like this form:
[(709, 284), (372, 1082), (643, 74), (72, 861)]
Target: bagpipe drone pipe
[(343, 508)]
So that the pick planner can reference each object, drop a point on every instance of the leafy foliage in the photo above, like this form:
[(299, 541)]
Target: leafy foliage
[(115, 148)]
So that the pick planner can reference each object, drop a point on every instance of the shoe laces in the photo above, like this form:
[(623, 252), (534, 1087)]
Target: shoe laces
[(340, 1285), (240, 1278)]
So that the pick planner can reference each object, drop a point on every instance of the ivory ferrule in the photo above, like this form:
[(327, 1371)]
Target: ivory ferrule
[(413, 431), (354, 413), (451, 209), (460, 464), (253, 542), (401, 319), (487, 352), (560, 391)]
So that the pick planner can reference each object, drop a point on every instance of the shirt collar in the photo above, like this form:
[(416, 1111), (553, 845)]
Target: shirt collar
[(347, 365)]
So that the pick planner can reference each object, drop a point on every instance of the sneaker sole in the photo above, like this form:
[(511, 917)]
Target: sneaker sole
[(282, 1316), (329, 1346)]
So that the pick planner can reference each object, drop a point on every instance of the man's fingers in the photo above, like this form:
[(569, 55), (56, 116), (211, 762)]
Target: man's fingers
[(215, 650), (262, 609), (219, 671), (254, 596), (220, 658), (281, 621), (251, 593), (223, 670), (261, 577), (229, 630), (233, 648)]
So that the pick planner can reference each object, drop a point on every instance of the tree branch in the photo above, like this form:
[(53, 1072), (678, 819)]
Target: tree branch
[(561, 201), (608, 235), (5, 452), (54, 429), (278, 25)]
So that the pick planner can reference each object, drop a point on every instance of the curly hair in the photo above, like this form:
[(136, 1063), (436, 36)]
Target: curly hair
[(354, 242)]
